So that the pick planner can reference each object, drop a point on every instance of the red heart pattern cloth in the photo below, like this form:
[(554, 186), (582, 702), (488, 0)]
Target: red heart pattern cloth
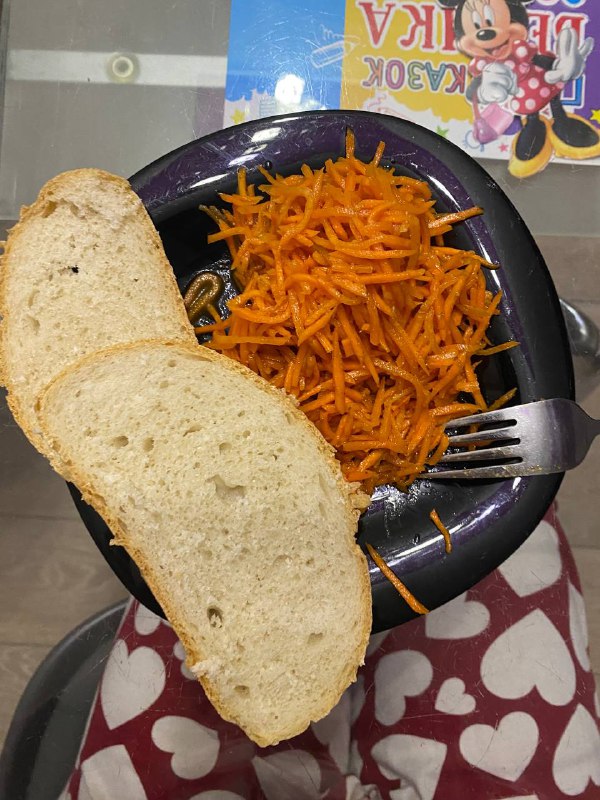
[(490, 697)]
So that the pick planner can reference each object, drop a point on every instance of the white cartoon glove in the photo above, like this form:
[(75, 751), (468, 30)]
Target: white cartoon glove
[(498, 83), (570, 57)]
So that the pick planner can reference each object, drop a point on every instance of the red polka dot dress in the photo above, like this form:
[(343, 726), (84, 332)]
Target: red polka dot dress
[(533, 93)]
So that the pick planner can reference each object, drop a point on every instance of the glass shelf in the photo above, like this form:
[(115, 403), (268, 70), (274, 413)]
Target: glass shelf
[(116, 85)]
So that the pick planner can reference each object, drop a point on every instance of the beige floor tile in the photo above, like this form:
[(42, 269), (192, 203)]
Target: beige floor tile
[(572, 262), (578, 504), (51, 578), (28, 485), (588, 564), (579, 495), (17, 665), (587, 369)]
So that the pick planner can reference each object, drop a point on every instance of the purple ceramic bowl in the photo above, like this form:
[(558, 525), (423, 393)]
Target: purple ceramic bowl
[(488, 520)]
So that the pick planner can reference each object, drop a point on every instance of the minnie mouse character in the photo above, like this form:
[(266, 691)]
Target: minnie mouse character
[(509, 71)]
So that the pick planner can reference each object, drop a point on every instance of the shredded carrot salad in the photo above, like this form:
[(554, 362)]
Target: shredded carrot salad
[(352, 303)]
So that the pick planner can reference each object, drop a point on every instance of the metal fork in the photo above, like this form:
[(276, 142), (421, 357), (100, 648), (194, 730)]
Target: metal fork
[(531, 439)]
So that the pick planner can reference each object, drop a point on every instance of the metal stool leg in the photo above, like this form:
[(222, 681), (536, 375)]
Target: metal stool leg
[(584, 338), (46, 730)]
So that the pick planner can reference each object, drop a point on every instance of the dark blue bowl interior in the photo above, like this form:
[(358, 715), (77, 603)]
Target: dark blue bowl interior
[(488, 520)]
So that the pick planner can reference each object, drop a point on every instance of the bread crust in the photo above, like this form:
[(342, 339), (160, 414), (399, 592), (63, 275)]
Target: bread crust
[(354, 499), (55, 190)]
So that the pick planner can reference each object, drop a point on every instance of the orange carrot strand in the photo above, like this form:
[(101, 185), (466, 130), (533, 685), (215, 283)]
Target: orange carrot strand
[(402, 590), (434, 517)]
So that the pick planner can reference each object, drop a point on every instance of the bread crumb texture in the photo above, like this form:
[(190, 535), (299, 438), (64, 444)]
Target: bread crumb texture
[(238, 517), (83, 269)]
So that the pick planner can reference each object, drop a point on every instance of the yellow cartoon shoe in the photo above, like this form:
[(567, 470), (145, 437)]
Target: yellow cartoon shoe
[(532, 148), (573, 136)]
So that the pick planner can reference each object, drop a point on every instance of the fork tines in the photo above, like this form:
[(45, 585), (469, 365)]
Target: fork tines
[(482, 438)]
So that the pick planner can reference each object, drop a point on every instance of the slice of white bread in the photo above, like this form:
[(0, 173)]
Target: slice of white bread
[(237, 513), (83, 269)]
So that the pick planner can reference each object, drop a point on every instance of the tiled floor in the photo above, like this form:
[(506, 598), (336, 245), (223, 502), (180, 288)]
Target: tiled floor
[(52, 577), (51, 574)]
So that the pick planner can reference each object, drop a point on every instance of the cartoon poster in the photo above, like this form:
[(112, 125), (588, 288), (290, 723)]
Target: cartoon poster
[(507, 79)]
